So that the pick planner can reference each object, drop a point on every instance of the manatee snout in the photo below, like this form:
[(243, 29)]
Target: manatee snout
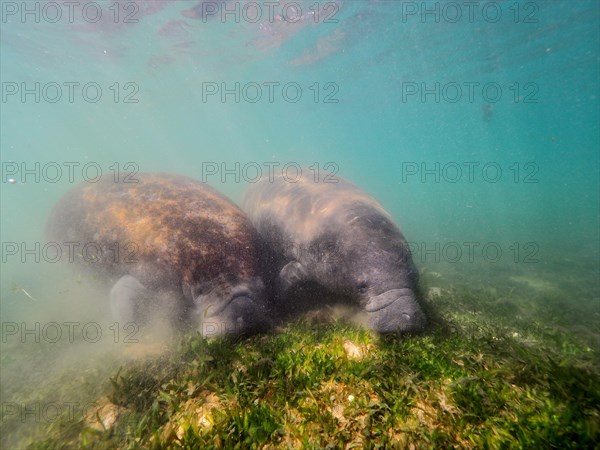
[(243, 313), (395, 310)]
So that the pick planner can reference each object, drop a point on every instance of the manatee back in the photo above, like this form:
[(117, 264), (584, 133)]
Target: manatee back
[(163, 228), (307, 207)]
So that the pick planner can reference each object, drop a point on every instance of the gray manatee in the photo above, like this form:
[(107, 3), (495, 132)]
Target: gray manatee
[(167, 237), (325, 231)]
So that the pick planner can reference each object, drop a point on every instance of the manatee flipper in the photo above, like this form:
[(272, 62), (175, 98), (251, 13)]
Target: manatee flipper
[(126, 297), (292, 273)]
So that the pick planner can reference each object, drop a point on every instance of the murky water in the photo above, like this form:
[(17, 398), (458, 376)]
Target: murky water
[(476, 126)]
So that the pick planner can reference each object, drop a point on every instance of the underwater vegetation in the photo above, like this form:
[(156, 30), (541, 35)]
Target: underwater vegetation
[(502, 365)]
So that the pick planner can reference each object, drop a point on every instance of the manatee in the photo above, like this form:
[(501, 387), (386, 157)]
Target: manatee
[(324, 231), (167, 237)]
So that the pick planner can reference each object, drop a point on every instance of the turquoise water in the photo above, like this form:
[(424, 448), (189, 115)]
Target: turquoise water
[(542, 132), (541, 210), (519, 173)]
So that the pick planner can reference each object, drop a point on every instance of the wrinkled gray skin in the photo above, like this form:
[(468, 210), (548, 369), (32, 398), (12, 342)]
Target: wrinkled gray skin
[(329, 233)]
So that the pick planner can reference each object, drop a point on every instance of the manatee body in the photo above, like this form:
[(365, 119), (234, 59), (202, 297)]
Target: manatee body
[(325, 231), (167, 236)]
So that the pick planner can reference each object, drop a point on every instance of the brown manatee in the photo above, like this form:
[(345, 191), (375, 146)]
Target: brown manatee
[(325, 231), (167, 236)]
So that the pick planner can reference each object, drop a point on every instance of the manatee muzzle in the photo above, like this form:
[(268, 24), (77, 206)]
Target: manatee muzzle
[(211, 308), (395, 310), (239, 314)]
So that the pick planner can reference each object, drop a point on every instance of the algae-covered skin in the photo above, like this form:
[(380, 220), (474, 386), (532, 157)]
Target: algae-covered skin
[(159, 236), (324, 230)]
